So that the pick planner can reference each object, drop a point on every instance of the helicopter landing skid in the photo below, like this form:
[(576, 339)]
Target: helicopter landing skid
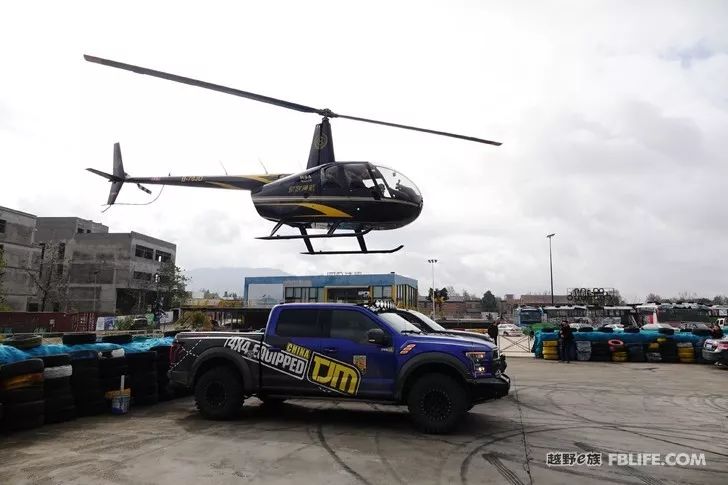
[(359, 235)]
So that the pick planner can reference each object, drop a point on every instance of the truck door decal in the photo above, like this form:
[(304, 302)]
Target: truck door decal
[(280, 360), (300, 362), (334, 374)]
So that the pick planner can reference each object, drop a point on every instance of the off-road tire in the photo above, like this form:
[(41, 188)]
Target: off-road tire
[(437, 402), (79, 338), (219, 393)]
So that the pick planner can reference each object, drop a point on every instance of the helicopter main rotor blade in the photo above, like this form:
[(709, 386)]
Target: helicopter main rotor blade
[(267, 99), (203, 84), (423, 130)]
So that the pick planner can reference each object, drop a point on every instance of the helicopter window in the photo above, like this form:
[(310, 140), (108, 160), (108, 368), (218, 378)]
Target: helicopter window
[(359, 179), (332, 177), (400, 187)]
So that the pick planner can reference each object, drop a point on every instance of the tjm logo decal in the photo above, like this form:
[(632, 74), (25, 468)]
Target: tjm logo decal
[(334, 374)]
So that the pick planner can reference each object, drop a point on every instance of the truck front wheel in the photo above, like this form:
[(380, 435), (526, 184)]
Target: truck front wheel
[(437, 402), (219, 393)]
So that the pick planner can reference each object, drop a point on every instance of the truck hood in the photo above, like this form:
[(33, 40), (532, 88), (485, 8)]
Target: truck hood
[(461, 341)]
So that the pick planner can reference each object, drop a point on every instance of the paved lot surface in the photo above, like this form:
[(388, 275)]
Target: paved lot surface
[(566, 407)]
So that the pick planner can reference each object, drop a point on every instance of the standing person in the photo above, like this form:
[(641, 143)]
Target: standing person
[(566, 339), (716, 332), (493, 332)]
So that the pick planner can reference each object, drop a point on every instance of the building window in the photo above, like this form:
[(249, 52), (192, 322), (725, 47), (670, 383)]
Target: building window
[(79, 230), (297, 294), (142, 276), (61, 250), (2, 226), (380, 292), (144, 252), (162, 256), (59, 269)]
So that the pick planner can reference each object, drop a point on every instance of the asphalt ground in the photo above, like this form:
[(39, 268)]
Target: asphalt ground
[(578, 407)]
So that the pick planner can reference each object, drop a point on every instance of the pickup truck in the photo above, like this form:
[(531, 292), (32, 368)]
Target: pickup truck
[(343, 352)]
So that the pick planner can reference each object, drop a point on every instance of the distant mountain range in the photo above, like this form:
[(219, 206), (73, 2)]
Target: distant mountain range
[(220, 280)]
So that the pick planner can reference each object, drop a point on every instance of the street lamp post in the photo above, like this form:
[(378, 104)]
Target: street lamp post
[(551, 268), (432, 262)]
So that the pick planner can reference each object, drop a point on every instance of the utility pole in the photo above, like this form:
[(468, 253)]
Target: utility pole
[(551, 268), (432, 262)]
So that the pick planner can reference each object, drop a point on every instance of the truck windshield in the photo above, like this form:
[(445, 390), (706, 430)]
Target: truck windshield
[(398, 323)]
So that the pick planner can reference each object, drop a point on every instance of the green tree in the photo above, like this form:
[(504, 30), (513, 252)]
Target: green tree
[(195, 321), (172, 285), (489, 303)]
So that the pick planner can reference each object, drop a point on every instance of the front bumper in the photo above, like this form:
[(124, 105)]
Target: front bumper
[(486, 388), (715, 356)]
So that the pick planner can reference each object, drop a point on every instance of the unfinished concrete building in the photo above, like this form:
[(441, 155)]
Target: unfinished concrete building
[(21, 256), (104, 272)]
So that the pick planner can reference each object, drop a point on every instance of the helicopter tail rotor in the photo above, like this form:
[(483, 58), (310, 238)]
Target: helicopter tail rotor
[(118, 177)]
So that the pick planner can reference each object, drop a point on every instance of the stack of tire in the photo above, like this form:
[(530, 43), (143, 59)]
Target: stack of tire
[(143, 377), (653, 352), (113, 364), (86, 383), (59, 402), (618, 350), (686, 352), (600, 352), (668, 350), (583, 350), (635, 352), (165, 390), (551, 349), (21, 395)]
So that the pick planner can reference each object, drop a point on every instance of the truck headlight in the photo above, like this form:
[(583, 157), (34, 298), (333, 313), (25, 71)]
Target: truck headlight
[(480, 362)]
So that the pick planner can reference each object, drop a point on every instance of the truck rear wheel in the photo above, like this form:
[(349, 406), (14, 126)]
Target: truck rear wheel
[(219, 393), (437, 402)]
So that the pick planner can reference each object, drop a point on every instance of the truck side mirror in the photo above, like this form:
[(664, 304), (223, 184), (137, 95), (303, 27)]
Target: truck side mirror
[(377, 336)]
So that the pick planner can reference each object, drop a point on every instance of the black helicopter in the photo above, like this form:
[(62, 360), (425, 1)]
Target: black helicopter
[(358, 197)]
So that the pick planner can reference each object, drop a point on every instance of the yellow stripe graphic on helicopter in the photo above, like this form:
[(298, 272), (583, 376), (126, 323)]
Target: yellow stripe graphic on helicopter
[(323, 209), (224, 185)]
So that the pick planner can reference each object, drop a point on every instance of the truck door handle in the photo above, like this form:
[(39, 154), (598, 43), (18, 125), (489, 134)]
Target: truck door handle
[(330, 350)]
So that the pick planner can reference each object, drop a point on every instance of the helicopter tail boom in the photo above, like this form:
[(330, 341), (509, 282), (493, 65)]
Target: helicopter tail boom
[(235, 182)]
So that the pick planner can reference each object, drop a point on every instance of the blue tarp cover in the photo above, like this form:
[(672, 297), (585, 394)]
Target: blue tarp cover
[(10, 354), (644, 337)]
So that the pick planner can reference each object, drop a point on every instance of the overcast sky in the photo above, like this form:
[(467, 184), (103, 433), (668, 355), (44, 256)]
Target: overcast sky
[(613, 117)]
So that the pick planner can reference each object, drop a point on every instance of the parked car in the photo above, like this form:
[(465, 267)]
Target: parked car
[(716, 350), (428, 325), (508, 329), (694, 325), (343, 352)]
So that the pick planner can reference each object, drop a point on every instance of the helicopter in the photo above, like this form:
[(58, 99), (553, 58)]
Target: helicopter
[(346, 199)]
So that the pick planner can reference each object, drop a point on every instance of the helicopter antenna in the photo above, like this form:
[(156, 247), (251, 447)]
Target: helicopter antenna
[(223, 167), (263, 165), (324, 112)]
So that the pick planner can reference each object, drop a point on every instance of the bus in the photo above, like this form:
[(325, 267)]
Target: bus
[(570, 313), (526, 316)]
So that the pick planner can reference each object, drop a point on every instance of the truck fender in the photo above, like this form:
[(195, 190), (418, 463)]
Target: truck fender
[(428, 358), (249, 385)]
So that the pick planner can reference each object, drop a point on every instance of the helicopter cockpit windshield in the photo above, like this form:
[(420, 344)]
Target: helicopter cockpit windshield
[(396, 185), (362, 179)]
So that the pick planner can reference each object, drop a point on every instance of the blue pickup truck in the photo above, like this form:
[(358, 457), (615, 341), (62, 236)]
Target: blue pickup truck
[(344, 352)]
